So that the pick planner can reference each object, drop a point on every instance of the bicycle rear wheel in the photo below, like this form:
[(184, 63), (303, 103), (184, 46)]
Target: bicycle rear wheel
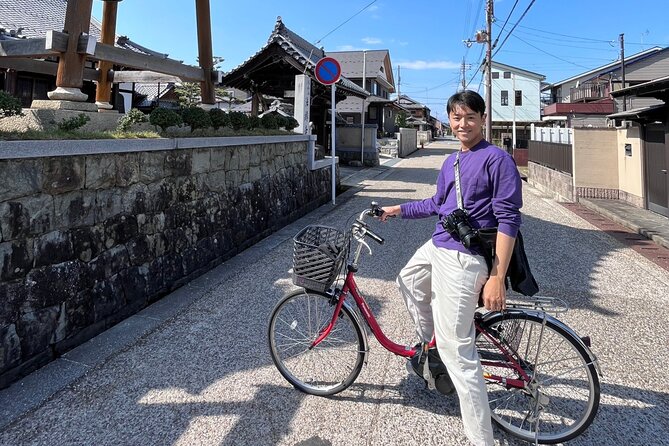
[(562, 397), (332, 365)]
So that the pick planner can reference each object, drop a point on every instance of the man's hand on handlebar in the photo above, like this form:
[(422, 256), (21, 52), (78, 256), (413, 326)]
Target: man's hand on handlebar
[(390, 211)]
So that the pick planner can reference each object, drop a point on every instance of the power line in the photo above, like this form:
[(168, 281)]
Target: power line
[(514, 27), (550, 54), (505, 22), (345, 22), (567, 35)]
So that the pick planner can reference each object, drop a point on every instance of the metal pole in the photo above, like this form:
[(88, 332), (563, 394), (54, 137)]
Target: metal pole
[(488, 88), (333, 142), (513, 77), (362, 113), (622, 66)]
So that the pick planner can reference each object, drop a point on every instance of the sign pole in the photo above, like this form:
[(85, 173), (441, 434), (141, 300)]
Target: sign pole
[(333, 142), (328, 72)]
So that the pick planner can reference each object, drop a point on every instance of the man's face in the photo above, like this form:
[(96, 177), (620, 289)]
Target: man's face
[(467, 125)]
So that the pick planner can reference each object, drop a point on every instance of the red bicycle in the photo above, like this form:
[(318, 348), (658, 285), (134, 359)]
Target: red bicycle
[(542, 378)]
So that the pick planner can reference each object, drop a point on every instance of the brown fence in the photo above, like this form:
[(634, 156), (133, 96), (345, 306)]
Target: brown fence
[(554, 155)]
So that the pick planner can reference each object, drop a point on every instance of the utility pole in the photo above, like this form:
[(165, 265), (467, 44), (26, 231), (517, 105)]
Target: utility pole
[(362, 112), (399, 82), (462, 74), (622, 66), (488, 87)]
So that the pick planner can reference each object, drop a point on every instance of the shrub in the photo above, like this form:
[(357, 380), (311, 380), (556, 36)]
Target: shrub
[(9, 105), (164, 118), (291, 123), (219, 118), (196, 118), (281, 121), (126, 121), (73, 123), (269, 122), (401, 119), (254, 122), (239, 120)]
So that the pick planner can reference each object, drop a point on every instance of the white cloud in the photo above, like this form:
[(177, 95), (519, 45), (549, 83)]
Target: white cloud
[(349, 48), (371, 40), (373, 8), (429, 65)]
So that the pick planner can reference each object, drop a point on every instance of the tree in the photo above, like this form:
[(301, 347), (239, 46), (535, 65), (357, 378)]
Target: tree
[(188, 94), (401, 119)]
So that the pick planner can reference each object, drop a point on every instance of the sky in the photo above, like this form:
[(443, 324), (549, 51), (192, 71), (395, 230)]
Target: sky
[(557, 39)]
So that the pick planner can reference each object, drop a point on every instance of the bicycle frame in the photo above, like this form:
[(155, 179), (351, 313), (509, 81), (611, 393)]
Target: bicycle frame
[(350, 287)]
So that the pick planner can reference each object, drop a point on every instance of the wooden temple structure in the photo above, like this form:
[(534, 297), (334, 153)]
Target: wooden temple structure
[(74, 46), (284, 68)]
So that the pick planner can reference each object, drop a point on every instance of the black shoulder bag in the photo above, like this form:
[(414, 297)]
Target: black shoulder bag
[(518, 274)]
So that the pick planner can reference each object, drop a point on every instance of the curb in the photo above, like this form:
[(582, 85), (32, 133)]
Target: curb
[(648, 233)]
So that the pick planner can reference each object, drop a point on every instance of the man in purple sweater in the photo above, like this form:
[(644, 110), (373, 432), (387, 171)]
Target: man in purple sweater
[(442, 282)]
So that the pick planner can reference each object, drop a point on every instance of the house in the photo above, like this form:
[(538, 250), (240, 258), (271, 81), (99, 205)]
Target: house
[(378, 79), (419, 114), (584, 100), (284, 68), (516, 104), (643, 144)]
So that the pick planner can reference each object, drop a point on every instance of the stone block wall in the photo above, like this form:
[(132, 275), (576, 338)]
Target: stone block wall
[(88, 239), (552, 182)]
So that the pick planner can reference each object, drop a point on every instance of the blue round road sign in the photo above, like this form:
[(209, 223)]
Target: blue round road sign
[(327, 71)]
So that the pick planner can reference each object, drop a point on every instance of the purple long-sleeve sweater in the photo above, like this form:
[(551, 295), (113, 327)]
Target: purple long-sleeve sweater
[(491, 192)]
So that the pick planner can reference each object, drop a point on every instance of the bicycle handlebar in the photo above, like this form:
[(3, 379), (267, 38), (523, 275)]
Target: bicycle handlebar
[(363, 228)]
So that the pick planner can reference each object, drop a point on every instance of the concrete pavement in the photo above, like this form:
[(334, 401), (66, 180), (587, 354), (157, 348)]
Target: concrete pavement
[(194, 368)]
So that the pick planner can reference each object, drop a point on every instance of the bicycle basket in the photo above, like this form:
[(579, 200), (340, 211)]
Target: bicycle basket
[(319, 253)]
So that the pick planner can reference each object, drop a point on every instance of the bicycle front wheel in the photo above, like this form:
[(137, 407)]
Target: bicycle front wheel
[(561, 398), (330, 367)]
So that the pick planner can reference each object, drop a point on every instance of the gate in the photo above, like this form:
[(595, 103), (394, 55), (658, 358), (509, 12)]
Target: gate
[(657, 164)]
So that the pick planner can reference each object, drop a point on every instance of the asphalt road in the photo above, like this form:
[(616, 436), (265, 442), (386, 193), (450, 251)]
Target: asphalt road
[(204, 376)]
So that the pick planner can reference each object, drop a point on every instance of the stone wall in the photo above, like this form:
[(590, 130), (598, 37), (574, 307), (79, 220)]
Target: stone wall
[(97, 230), (556, 184)]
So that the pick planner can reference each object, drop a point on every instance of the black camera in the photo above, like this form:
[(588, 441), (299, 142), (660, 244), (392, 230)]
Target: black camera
[(457, 224)]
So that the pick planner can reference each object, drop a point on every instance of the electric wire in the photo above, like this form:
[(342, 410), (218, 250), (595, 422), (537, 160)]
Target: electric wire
[(345, 22), (505, 22), (514, 27)]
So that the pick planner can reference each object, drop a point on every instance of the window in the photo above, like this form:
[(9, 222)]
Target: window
[(505, 97), (495, 74), (507, 75), (519, 97)]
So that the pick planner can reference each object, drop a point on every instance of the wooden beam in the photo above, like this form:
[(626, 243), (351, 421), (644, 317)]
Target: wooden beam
[(86, 45), (25, 48), (132, 59), (56, 41), (41, 67), (146, 77)]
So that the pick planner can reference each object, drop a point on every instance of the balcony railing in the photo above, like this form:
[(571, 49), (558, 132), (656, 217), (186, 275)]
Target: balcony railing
[(589, 92)]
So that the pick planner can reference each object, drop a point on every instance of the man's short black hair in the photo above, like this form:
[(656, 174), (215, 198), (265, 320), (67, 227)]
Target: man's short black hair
[(466, 98)]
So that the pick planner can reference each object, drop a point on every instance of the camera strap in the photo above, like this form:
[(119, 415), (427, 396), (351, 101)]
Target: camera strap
[(458, 192)]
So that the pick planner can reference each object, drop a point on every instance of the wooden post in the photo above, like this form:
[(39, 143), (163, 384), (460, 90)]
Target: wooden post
[(103, 89), (69, 78), (204, 51)]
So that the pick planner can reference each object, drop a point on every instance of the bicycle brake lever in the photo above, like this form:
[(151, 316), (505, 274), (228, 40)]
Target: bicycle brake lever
[(366, 246)]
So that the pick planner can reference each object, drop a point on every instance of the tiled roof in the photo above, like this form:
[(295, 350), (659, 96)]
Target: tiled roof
[(352, 61), (299, 49), (35, 18)]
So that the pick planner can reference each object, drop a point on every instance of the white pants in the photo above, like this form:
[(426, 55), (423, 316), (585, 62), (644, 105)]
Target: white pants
[(441, 289)]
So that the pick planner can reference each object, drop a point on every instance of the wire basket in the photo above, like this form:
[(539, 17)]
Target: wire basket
[(319, 253)]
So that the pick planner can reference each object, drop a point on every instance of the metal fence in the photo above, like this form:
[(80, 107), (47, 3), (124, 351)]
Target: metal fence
[(554, 155)]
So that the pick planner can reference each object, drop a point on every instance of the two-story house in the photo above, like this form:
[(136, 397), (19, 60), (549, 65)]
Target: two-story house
[(378, 78), (584, 100), (516, 103), (419, 113)]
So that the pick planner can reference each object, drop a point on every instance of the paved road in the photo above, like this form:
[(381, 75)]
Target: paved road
[(204, 376)]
